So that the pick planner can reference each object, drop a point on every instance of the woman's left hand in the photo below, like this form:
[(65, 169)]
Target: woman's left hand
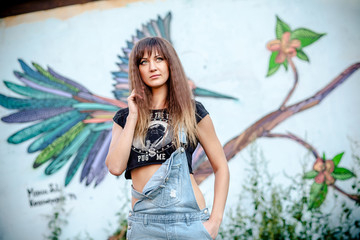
[(212, 227)]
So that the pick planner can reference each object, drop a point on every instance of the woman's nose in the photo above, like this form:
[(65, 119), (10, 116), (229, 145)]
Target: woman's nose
[(152, 66)]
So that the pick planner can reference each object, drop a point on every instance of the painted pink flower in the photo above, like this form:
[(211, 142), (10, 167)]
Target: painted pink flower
[(319, 165), (325, 168), (285, 46)]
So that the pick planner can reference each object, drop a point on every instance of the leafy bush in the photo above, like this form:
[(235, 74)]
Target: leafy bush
[(271, 211)]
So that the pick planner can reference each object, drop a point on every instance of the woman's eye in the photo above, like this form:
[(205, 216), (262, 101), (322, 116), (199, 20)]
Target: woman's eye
[(143, 62), (159, 59)]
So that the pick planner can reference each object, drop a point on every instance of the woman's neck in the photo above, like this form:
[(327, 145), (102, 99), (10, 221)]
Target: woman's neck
[(159, 96)]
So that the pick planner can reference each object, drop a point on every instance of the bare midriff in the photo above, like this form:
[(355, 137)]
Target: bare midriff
[(140, 176)]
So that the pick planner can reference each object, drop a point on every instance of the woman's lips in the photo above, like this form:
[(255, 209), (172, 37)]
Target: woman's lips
[(155, 76)]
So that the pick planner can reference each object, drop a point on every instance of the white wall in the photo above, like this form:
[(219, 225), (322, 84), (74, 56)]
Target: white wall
[(222, 46)]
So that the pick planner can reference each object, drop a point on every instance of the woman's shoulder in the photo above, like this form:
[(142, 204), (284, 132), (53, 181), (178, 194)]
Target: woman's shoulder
[(200, 111), (120, 116)]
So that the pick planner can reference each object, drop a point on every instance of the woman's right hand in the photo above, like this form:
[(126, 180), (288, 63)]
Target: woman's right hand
[(133, 107)]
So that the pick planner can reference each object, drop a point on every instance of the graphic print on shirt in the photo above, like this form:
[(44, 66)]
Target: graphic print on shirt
[(158, 139)]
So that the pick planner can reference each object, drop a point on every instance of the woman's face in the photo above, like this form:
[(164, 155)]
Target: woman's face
[(154, 70)]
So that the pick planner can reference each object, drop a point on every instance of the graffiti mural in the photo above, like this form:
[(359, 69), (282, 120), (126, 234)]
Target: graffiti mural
[(287, 45), (248, 63), (73, 120)]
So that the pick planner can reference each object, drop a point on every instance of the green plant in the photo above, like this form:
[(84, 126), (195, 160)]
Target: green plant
[(271, 211), (57, 219), (120, 232)]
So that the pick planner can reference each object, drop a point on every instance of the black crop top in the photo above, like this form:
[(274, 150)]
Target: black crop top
[(158, 141)]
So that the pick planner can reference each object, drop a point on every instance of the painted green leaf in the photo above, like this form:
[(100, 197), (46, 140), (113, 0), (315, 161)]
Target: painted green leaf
[(317, 194), (281, 27), (342, 174), (301, 55), (273, 66), (306, 36), (337, 158), (324, 157), (310, 175)]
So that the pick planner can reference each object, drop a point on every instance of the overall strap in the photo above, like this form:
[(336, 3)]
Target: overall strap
[(182, 136), (137, 194)]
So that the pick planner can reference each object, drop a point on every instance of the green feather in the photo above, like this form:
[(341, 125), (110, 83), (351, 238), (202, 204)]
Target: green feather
[(55, 148), (54, 79), (46, 83), (69, 151), (49, 137)]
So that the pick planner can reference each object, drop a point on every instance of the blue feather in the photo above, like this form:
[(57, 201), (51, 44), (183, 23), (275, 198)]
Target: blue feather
[(81, 156), (120, 74), (124, 59), (139, 34), (18, 103), (161, 27)]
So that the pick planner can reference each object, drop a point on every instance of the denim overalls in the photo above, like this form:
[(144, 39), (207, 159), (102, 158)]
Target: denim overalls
[(167, 207)]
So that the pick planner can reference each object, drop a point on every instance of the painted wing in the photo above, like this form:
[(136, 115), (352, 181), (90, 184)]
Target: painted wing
[(68, 121)]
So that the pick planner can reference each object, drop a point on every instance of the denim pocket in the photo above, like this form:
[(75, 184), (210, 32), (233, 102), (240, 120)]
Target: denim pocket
[(207, 234), (170, 191)]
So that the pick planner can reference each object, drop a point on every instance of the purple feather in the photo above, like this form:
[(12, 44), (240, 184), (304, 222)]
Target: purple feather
[(123, 67), (92, 98), (99, 161), (34, 114), (90, 159), (121, 80), (102, 175), (45, 89), (67, 80)]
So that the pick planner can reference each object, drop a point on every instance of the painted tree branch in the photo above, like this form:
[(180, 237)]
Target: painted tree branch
[(316, 155), (295, 138), (296, 76), (351, 196), (271, 120)]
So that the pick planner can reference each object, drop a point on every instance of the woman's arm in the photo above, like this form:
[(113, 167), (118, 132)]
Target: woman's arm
[(121, 140), (120, 146), (216, 156)]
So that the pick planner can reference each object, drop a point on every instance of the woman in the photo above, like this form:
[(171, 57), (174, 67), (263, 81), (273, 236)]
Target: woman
[(153, 140)]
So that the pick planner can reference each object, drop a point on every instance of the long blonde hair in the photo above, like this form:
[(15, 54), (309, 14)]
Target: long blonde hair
[(181, 106)]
